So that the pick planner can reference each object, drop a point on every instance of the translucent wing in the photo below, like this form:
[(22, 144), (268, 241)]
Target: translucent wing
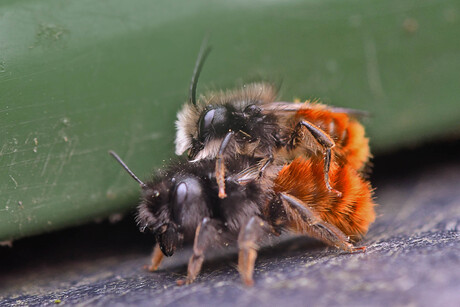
[(282, 106), (249, 174)]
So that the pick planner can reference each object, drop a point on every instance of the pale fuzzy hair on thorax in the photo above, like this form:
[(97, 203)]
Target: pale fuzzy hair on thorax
[(189, 116)]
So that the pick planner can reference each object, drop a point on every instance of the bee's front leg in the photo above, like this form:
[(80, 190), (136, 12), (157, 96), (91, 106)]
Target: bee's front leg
[(206, 233)]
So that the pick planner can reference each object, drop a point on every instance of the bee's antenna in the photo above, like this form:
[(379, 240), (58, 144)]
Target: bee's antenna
[(204, 52), (123, 164)]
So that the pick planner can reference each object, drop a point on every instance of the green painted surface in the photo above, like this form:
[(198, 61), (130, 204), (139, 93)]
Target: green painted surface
[(78, 78)]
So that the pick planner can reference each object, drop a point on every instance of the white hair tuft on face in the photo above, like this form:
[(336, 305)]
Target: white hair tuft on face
[(186, 127)]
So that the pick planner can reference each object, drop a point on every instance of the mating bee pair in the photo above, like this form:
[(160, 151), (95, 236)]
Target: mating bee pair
[(257, 167)]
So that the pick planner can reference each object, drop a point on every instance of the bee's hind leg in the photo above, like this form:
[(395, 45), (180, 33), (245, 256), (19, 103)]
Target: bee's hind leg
[(314, 226), (325, 141)]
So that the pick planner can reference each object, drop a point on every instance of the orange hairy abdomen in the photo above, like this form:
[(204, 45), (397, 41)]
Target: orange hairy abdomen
[(352, 213), (352, 147)]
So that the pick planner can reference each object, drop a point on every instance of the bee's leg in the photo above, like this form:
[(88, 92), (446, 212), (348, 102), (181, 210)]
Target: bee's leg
[(220, 164), (265, 165), (326, 142), (313, 225), (157, 257), (248, 237), (206, 234)]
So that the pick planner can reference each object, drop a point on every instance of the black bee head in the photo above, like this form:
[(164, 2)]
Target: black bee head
[(173, 204), (216, 121), (171, 208)]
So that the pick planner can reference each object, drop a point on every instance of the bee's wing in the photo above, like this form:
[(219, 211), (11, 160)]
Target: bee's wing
[(281, 106), (248, 174), (284, 106), (351, 112)]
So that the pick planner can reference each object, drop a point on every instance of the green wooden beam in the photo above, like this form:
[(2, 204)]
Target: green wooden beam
[(78, 78)]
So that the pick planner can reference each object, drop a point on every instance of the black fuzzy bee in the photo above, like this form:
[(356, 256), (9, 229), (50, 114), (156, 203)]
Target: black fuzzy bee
[(179, 199), (180, 205)]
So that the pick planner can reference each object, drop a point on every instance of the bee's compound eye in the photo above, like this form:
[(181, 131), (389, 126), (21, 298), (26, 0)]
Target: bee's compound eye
[(187, 191), (181, 193), (207, 119), (213, 118), (189, 203)]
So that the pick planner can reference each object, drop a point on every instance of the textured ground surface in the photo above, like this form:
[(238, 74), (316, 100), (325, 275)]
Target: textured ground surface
[(413, 256)]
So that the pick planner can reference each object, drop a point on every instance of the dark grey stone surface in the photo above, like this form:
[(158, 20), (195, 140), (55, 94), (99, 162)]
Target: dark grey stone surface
[(413, 258)]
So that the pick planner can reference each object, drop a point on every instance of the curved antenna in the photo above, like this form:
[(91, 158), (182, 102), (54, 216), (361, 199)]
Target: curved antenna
[(123, 164), (202, 55)]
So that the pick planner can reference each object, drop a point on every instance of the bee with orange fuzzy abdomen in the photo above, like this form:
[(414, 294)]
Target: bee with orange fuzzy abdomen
[(250, 121), (258, 167), (302, 204), (180, 205)]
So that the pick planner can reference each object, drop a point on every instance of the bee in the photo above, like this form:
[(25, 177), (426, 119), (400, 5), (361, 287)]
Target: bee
[(180, 205), (250, 121)]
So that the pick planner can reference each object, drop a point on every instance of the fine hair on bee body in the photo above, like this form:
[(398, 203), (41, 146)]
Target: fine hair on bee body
[(180, 205), (250, 121), (257, 166)]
